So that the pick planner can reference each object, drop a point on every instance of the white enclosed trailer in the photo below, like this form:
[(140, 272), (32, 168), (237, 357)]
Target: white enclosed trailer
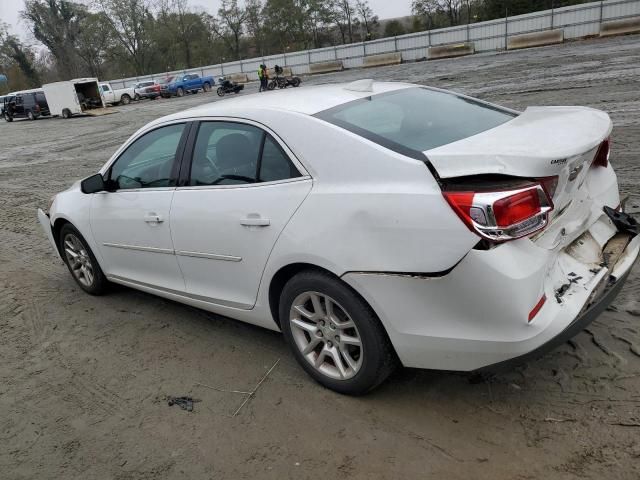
[(74, 97)]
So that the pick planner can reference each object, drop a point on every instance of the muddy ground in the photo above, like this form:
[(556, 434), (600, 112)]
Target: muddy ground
[(82, 379)]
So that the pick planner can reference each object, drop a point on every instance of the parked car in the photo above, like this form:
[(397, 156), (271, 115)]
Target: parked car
[(74, 97), (372, 223), (31, 104), (116, 96), (190, 83), (149, 89)]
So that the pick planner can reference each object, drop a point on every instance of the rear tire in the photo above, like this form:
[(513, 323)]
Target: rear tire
[(31, 116), (8, 118), (66, 113), (295, 82), (180, 92), (125, 99), (81, 262), (220, 92), (206, 87), (137, 98), (334, 334)]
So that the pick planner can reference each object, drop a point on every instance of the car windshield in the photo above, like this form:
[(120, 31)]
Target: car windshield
[(413, 120)]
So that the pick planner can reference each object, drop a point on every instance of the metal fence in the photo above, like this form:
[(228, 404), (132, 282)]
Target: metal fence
[(577, 21)]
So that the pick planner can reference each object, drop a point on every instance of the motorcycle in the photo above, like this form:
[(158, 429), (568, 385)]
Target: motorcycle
[(227, 86), (281, 81)]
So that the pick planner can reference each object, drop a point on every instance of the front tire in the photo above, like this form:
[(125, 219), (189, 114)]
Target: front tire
[(220, 92), (180, 92), (82, 264), (31, 116), (8, 118), (334, 334), (206, 87), (66, 113)]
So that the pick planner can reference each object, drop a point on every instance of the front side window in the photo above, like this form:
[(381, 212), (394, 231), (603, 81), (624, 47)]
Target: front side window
[(148, 162), (105, 88), (413, 120), (227, 153)]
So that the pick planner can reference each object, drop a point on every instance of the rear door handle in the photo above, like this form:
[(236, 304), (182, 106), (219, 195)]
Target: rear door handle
[(251, 221), (153, 218)]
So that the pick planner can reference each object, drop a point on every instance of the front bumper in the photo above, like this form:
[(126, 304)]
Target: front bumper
[(45, 223), (476, 316)]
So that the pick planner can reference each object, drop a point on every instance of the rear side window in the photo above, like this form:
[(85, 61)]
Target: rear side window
[(227, 153), (414, 120)]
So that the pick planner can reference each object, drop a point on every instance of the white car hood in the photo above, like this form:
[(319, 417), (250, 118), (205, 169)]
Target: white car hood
[(539, 142)]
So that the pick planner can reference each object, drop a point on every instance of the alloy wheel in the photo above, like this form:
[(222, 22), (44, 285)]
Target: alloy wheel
[(326, 336), (79, 260)]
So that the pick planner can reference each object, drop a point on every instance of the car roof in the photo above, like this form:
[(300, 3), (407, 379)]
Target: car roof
[(307, 100)]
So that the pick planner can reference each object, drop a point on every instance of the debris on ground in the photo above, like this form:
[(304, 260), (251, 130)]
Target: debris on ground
[(185, 403)]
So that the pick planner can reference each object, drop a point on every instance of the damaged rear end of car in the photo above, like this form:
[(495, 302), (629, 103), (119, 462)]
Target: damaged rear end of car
[(537, 189), (543, 183)]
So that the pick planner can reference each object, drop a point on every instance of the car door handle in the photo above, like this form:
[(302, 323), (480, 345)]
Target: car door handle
[(255, 222), (153, 218)]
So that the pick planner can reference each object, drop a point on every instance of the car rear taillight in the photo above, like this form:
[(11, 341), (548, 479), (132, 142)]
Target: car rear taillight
[(37, 108), (503, 215), (602, 156)]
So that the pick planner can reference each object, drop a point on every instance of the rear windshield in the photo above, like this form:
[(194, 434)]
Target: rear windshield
[(413, 120)]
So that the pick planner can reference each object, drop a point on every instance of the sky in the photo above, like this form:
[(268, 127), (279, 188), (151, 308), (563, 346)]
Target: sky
[(9, 11)]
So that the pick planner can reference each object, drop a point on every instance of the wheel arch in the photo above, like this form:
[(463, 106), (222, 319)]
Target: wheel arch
[(56, 228), (287, 272)]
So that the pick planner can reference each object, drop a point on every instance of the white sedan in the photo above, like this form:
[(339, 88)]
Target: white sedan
[(374, 224)]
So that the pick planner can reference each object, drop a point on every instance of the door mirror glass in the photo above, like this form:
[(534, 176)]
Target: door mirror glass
[(93, 184)]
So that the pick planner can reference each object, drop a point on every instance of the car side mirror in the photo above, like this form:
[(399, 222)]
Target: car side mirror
[(93, 184)]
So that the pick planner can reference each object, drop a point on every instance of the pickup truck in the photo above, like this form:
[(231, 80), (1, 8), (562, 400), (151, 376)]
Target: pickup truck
[(179, 85), (113, 96)]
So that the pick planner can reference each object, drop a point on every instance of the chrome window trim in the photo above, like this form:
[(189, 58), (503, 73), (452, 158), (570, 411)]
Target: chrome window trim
[(244, 185)]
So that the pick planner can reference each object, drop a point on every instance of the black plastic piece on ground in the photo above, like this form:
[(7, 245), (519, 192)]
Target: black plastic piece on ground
[(185, 403)]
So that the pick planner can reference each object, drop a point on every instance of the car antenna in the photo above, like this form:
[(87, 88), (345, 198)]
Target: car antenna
[(364, 85)]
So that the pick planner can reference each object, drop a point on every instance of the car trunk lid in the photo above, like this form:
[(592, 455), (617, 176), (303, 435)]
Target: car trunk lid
[(541, 143)]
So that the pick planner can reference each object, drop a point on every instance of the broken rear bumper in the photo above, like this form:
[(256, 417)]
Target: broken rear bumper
[(580, 323), (476, 316)]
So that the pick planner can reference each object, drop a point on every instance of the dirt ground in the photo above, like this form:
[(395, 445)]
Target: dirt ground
[(83, 379)]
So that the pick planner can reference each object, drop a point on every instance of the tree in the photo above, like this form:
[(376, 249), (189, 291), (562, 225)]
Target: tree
[(57, 25), (229, 24), (14, 53), (131, 23), (93, 43), (393, 28), (368, 19), (426, 9)]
